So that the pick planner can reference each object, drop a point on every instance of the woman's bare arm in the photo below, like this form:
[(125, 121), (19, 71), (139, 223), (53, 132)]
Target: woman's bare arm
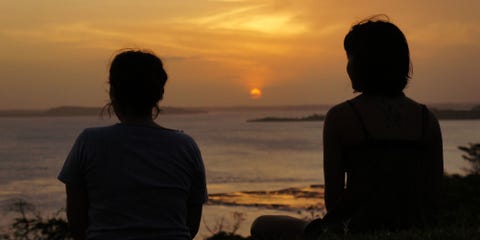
[(435, 153), (332, 161)]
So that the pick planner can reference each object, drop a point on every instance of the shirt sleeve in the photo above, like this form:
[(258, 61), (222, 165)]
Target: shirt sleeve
[(73, 168), (198, 193)]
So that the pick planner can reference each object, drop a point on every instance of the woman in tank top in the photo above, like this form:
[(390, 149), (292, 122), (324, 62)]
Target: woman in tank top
[(385, 145), (383, 159)]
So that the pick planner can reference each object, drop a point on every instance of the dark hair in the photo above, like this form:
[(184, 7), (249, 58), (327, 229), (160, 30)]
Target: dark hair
[(379, 58), (137, 81)]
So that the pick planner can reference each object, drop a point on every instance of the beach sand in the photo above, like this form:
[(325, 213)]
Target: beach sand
[(283, 199), (225, 209)]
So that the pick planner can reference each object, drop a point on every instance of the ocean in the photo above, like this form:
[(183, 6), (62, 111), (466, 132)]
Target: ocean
[(238, 155)]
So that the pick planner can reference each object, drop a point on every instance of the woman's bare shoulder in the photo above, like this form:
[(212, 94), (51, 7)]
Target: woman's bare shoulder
[(432, 119), (339, 117), (338, 110)]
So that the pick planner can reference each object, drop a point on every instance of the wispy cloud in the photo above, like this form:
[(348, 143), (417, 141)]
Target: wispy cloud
[(447, 33), (234, 1), (73, 33), (255, 18)]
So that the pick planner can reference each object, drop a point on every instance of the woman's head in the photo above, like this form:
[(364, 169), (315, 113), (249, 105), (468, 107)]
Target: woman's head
[(137, 81), (379, 59)]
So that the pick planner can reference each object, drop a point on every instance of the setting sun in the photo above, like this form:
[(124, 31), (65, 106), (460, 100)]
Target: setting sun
[(255, 93)]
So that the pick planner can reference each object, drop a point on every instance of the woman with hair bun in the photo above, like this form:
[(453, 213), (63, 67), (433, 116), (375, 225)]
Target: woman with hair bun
[(134, 179)]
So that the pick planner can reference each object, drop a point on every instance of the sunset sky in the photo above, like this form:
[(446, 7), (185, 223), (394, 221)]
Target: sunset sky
[(216, 52)]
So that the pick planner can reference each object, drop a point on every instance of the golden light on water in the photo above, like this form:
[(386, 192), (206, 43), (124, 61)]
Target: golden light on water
[(255, 93)]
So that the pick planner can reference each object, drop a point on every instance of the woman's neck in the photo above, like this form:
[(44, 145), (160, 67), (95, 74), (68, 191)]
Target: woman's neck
[(377, 97), (140, 121)]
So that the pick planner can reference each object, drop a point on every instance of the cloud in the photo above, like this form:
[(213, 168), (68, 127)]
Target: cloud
[(73, 33), (229, 1), (256, 17), (447, 33), (274, 43)]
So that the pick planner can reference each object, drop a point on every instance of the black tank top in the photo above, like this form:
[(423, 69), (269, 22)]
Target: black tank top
[(385, 181)]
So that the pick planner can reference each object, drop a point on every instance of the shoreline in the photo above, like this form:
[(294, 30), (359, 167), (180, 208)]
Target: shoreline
[(441, 114), (234, 212), (219, 211), (286, 199)]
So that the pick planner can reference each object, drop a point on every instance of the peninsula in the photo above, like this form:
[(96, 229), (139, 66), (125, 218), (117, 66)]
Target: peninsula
[(310, 118), (75, 111), (442, 114), (449, 114)]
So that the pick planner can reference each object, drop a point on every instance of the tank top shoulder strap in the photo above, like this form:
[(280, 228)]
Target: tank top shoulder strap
[(360, 120), (424, 121)]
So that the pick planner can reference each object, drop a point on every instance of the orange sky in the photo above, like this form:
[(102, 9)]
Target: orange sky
[(55, 52)]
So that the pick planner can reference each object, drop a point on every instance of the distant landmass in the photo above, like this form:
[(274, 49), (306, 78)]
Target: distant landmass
[(313, 117), (75, 111), (442, 114), (449, 114)]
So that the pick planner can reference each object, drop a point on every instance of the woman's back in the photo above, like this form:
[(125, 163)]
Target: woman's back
[(385, 148), (398, 118), (135, 179), (138, 180)]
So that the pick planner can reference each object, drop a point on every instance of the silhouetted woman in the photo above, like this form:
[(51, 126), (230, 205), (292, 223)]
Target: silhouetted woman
[(383, 158), (134, 179)]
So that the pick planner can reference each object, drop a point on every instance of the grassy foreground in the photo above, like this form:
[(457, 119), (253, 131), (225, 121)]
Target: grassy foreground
[(459, 216), (459, 219)]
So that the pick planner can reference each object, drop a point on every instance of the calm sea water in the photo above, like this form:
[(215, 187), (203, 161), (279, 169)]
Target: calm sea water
[(238, 155)]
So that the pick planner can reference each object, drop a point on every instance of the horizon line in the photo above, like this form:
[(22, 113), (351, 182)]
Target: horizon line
[(229, 106)]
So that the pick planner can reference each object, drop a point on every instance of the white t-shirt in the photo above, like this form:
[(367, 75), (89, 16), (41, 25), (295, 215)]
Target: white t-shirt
[(139, 180)]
